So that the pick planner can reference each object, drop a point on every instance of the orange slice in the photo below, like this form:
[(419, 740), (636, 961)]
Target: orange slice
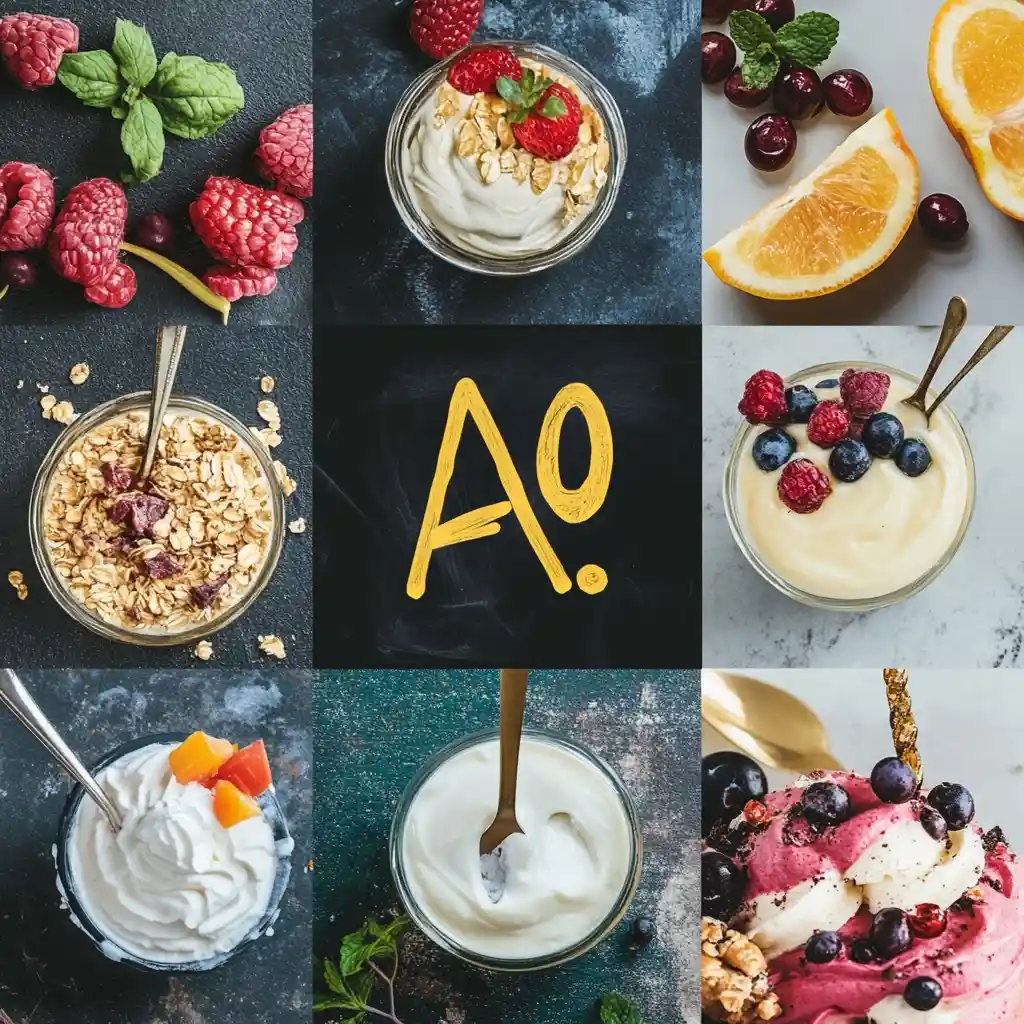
[(976, 70), (831, 229), (199, 758), (231, 806)]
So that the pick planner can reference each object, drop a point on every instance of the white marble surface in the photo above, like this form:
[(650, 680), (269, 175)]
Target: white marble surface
[(972, 615), (912, 287), (970, 727)]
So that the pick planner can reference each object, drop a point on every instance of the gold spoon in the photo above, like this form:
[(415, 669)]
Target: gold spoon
[(769, 724), (513, 707), (956, 317), (995, 336)]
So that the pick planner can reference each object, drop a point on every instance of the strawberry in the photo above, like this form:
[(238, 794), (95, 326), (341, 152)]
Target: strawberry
[(544, 115), (480, 69), (440, 27)]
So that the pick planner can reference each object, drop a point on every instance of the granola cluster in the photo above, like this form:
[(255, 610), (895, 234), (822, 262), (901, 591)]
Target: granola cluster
[(734, 985), (485, 134), (173, 557)]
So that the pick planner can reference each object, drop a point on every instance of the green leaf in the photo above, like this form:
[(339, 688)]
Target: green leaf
[(390, 931), (120, 111), (749, 30), (142, 138), (760, 67), (92, 76), (195, 96), (616, 1009), (355, 951), (554, 106), (133, 50), (335, 982), (509, 91), (808, 40), (328, 1003), (131, 96)]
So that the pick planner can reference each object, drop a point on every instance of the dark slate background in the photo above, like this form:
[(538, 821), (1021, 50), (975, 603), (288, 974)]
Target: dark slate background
[(268, 44), (643, 266), (489, 601), (222, 366), (645, 724), (50, 972)]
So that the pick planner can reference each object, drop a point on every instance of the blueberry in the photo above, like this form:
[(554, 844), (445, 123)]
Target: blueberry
[(773, 449), (828, 384), (893, 781), (883, 434), (934, 824), (849, 461), (721, 885), (890, 933), (862, 952), (826, 803), (642, 931), (912, 457), (801, 402), (923, 993), (823, 947), (954, 803), (727, 781)]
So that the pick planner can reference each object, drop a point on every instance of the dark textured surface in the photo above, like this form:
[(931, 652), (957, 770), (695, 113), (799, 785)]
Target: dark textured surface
[(50, 973), (268, 44), (221, 366), (643, 266), (372, 732), (489, 601)]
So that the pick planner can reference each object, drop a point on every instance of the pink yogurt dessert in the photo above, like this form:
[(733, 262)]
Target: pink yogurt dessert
[(874, 901)]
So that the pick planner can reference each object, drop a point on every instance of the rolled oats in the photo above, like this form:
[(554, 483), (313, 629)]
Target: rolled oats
[(17, 580), (297, 525), (204, 650), (267, 384), (272, 645), (79, 373), (287, 483)]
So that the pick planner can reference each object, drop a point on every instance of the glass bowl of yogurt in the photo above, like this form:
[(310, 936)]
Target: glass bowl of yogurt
[(159, 574), (472, 196), (546, 897), (173, 891), (873, 542)]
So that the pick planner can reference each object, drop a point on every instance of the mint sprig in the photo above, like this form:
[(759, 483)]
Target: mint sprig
[(524, 95), (806, 41), (195, 97), (142, 139), (616, 1009), (92, 76), (134, 53)]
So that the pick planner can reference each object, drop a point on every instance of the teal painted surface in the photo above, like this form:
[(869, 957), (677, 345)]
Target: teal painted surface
[(373, 729)]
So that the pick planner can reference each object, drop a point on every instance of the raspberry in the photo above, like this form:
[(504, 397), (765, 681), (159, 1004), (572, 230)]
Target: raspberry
[(829, 424), (245, 225), (86, 239), (284, 156), (116, 290), (764, 398), (551, 138), (33, 45), (803, 487), (235, 283), (440, 27), (864, 392), (480, 69), (28, 201)]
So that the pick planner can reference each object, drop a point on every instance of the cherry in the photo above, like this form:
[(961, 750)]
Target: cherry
[(848, 93), (154, 231), (717, 57), (741, 95), (776, 12), (943, 217), (799, 94), (928, 921), (16, 271), (715, 11), (770, 142)]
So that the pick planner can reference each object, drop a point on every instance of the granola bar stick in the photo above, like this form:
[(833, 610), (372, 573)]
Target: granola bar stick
[(901, 719)]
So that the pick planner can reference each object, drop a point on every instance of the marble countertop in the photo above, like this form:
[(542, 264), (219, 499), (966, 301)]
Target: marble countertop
[(971, 616)]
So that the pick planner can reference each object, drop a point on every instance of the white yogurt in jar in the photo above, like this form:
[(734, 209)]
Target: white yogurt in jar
[(556, 884)]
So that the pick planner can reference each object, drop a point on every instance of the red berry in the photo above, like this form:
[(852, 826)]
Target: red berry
[(829, 424), (715, 11), (116, 290), (755, 812), (864, 392), (943, 217), (717, 57), (799, 94), (740, 95), (284, 156), (848, 93), (154, 231), (770, 142), (480, 69), (776, 12), (928, 921), (803, 487), (26, 194), (85, 243), (440, 27), (551, 138), (33, 46), (17, 272), (234, 283), (764, 398)]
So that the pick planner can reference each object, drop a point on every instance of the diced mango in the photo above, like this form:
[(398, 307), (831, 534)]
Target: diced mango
[(231, 805), (249, 770), (199, 758)]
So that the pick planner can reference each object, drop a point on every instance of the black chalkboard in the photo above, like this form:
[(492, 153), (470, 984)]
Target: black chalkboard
[(381, 400)]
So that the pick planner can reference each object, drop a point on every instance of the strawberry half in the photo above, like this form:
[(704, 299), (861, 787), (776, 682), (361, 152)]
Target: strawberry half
[(544, 115), (480, 69)]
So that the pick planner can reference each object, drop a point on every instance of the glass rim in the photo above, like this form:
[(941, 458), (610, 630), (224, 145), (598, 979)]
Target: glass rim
[(54, 582), (844, 604), (511, 266), (518, 964)]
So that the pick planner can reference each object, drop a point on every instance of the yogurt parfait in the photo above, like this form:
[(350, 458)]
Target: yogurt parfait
[(838, 493), (506, 158)]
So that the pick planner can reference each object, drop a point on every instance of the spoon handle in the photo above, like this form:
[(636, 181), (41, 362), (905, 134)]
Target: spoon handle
[(513, 707), (995, 336), (956, 317), (28, 712), (170, 341)]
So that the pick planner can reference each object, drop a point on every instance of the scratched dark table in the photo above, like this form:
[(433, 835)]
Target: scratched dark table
[(374, 729), (643, 266), (268, 44), (221, 365), (50, 973)]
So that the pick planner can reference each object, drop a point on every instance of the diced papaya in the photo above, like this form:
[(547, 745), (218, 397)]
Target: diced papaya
[(249, 769), (231, 805), (199, 758)]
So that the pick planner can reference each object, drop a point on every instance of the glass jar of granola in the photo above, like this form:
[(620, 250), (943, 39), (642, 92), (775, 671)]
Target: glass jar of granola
[(176, 562)]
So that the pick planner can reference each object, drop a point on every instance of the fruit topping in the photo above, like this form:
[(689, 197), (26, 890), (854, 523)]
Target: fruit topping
[(798, 94), (27, 196), (773, 449), (928, 921), (764, 398), (803, 487), (722, 883), (642, 931), (943, 218), (912, 457), (890, 933), (161, 566), (739, 94), (862, 952), (234, 283), (717, 57), (883, 434), (284, 156), (729, 781), (849, 460), (825, 804), (440, 27), (545, 116), (480, 68), (770, 142), (199, 758), (864, 392), (248, 769), (848, 93), (116, 290), (923, 994), (823, 947), (16, 272), (934, 824), (829, 423), (800, 401), (776, 12), (154, 231), (33, 45), (116, 477), (755, 812), (893, 781), (954, 803), (204, 594), (84, 244), (139, 512), (231, 806)]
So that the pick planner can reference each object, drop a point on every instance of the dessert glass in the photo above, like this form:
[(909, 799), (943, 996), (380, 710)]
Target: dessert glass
[(272, 812), (119, 406), (735, 517), (615, 914), (512, 266)]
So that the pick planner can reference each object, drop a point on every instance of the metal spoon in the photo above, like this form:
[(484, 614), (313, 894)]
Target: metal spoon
[(956, 317), (28, 712), (170, 341), (513, 707), (769, 724), (995, 336)]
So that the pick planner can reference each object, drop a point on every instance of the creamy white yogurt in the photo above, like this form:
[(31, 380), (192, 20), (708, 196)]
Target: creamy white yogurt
[(561, 879), (173, 886)]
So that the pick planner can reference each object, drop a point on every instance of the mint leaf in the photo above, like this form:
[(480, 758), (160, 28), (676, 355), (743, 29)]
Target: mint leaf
[(133, 50), (616, 1009), (131, 96), (760, 67), (807, 40), (92, 76), (194, 96), (142, 138), (749, 30), (120, 111), (355, 951)]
